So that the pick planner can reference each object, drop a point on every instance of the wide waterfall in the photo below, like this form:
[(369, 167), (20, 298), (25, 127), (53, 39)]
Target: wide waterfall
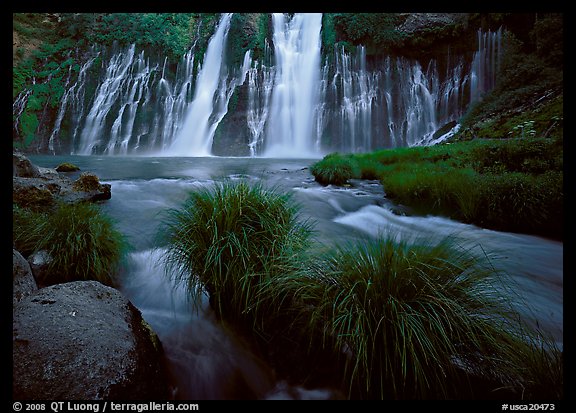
[(395, 102), (292, 103)]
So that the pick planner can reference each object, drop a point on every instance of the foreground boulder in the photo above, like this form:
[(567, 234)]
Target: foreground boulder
[(39, 188), (84, 341)]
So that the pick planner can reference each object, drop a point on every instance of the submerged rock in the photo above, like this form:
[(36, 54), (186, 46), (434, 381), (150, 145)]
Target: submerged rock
[(67, 167), (84, 341)]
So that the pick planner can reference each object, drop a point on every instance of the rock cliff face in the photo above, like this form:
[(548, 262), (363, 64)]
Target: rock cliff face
[(84, 341)]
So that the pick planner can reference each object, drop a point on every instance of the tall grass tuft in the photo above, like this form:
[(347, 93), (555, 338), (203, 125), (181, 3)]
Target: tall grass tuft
[(80, 239), (414, 319), (335, 169), (228, 239)]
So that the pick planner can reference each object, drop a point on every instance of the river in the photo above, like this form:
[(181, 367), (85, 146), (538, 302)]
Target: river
[(206, 360)]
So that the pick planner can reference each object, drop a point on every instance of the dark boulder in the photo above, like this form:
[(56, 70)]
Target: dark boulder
[(422, 23), (23, 282), (84, 341), (67, 167), (21, 166), (39, 263)]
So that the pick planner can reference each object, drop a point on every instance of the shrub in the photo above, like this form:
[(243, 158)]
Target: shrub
[(82, 241), (421, 319), (335, 169), (518, 202), (230, 238)]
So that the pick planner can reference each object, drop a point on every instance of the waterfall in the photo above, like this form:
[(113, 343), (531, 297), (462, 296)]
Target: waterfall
[(195, 138), (290, 105), (388, 102), (291, 123), (485, 64), (260, 85), (106, 95), (354, 90), (173, 103), (19, 105), (73, 102)]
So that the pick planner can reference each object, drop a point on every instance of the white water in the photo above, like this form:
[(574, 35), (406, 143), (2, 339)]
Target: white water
[(296, 106), (260, 85), (525, 258), (106, 94), (395, 103), (485, 64), (195, 137), (291, 123)]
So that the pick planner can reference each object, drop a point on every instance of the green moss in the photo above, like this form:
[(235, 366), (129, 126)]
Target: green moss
[(153, 336), (67, 167)]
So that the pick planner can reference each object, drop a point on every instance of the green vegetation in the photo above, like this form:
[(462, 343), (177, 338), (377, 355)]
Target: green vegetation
[(44, 75), (529, 84), (385, 318), (229, 240), (512, 185), (170, 32), (248, 31), (377, 31), (80, 239), (407, 316), (334, 169)]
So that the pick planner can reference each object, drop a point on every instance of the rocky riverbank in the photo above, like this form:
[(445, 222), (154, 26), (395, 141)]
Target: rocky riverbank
[(79, 340)]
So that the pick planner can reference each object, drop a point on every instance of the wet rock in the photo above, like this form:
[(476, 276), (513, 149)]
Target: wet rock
[(418, 23), (23, 280), (39, 262), (67, 167), (40, 188), (84, 341), (21, 166)]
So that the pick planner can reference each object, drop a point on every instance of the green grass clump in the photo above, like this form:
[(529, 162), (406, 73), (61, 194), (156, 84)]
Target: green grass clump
[(228, 239), (80, 239), (418, 320), (335, 169)]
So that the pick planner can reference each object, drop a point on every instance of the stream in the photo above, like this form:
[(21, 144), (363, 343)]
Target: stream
[(208, 361)]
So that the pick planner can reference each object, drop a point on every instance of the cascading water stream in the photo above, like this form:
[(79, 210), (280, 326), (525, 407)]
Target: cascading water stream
[(485, 64), (260, 85), (105, 98), (195, 137), (291, 123)]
